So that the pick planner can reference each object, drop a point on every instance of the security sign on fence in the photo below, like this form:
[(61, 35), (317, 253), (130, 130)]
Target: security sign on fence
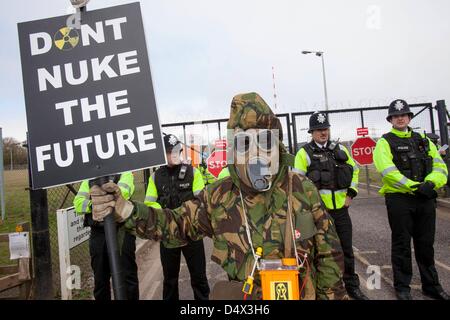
[(362, 131), (89, 97), (71, 233), (362, 150)]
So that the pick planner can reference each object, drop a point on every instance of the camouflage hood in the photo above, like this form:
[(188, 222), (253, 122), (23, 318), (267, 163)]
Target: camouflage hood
[(249, 111)]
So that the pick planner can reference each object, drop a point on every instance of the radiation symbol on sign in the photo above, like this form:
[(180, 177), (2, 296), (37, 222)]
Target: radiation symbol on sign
[(281, 291), (66, 38)]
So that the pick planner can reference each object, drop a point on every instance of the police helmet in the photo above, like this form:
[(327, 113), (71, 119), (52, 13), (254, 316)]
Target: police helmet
[(398, 107), (318, 120), (170, 141)]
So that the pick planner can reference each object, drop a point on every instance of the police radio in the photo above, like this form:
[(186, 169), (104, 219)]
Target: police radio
[(182, 173)]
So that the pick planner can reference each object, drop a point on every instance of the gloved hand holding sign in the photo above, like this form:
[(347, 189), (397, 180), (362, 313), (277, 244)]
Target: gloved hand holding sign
[(107, 199)]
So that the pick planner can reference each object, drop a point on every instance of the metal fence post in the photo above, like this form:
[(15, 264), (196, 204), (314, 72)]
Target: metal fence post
[(43, 282), (442, 119), (294, 132), (2, 187), (366, 166), (443, 132), (42, 258)]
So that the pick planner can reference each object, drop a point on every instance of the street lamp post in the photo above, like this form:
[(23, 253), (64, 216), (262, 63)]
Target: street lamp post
[(320, 54)]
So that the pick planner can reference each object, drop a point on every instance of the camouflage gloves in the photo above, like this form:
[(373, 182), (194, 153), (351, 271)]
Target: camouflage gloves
[(108, 199)]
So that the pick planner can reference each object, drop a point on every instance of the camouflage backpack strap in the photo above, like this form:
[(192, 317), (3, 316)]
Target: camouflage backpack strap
[(288, 236)]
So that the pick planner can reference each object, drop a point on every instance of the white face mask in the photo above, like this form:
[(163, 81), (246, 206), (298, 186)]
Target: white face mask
[(256, 157)]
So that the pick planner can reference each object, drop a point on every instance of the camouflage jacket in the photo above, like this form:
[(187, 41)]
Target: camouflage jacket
[(217, 212)]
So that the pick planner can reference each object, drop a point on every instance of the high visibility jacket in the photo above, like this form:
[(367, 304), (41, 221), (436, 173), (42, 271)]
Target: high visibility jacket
[(223, 173), (332, 198), (393, 180), (208, 177), (152, 194), (166, 190), (82, 200)]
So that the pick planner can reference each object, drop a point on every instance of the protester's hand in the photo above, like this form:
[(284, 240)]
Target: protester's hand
[(102, 203), (123, 208), (426, 190)]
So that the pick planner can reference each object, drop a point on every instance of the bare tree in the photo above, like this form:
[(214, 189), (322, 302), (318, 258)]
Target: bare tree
[(13, 153)]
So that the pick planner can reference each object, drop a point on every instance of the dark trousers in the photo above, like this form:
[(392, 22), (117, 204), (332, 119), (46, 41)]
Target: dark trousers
[(194, 253), (100, 265), (343, 225), (411, 217)]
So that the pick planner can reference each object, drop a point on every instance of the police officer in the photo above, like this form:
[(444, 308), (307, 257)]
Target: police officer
[(412, 171), (97, 243), (169, 187), (333, 171)]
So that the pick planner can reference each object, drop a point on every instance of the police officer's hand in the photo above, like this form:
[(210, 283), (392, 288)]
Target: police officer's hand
[(348, 201), (102, 203), (123, 208), (426, 190)]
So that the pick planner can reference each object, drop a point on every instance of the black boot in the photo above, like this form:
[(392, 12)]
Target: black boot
[(441, 295), (357, 294), (403, 295)]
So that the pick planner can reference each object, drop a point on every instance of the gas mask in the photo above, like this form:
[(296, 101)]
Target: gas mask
[(256, 156)]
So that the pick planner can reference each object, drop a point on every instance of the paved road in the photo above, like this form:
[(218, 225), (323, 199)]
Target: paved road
[(371, 240)]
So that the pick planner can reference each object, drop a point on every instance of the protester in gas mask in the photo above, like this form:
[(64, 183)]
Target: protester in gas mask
[(261, 206)]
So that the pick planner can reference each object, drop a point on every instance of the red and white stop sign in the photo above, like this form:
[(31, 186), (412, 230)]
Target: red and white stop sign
[(362, 150), (216, 161)]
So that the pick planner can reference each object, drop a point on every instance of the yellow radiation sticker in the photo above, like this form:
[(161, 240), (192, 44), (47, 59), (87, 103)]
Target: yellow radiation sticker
[(66, 38), (281, 290)]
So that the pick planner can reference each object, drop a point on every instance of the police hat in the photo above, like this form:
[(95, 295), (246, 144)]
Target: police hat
[(398, 107), (318, 120), (170, 141)]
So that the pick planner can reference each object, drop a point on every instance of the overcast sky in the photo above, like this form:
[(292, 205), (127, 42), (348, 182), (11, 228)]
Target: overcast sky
[(203, 52)]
